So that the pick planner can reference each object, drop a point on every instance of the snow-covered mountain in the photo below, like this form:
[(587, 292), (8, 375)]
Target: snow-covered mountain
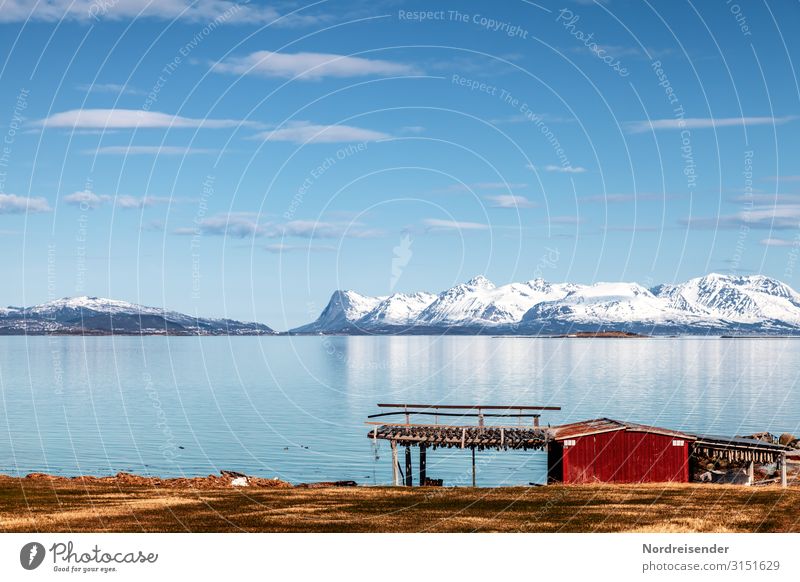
[(714, 304), (93, 315)]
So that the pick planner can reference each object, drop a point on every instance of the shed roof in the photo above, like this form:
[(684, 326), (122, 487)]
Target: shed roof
[(601, 425), (743, 442)]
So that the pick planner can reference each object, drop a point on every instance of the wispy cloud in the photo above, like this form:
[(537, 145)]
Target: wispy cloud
[(562, 169), (623, 198), (300, 132), (92, 200), (279, 248), (13, 204), (114, 88), (309, 66), (486, 186), (770, 217), (631, 228), (510, 201), (437, 224), (216, 11), (703, 123), (779, 242), (249, 225), (87, 199), (567, 219), (131, 119), (151, 150), (764, 198)]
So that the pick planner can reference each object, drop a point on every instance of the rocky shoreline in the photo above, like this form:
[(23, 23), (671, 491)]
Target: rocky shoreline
[(226, 479)]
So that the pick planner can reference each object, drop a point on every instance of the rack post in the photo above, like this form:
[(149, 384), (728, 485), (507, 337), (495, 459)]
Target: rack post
[(423, 465), (473, 467), (783, 469), (409, 476), (395, 463)]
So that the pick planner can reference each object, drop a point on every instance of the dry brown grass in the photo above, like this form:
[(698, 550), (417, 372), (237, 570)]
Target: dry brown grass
[(72, 506)]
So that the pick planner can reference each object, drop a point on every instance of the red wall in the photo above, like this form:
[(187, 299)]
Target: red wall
[(625, 457)]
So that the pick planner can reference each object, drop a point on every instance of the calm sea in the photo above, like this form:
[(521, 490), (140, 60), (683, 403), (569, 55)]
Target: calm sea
[(295, 407)]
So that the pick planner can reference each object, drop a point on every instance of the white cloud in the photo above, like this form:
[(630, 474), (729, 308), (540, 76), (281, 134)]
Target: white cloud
[(703, 123), (769, 217), (151, 150), (510, 201), (565, 169), (568, 219), (440, 224), (309, 66), (211, 12), (91, 200), (779, 242), (13, 204), (114, 88), (128, 202), (131, 118), (284, 248), (247, 224), (623, 198), (304, 132), (87, 199), (486, 186)]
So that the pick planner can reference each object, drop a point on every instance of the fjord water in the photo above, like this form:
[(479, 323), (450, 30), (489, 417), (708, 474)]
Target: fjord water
[(295, 407)]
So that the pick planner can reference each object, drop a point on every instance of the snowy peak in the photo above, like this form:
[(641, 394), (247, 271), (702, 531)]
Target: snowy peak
[(98, 316), (342, 312), (398, 309), (95, 304), (714, 303), (743, 299), (480, 282)]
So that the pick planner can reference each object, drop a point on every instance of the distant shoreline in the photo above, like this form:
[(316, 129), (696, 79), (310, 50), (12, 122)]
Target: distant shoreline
[(450, 333)]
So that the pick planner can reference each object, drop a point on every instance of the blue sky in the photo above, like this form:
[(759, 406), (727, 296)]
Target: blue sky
[(248, 159)]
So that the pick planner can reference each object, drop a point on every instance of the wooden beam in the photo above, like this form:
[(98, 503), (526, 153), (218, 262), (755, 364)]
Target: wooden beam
[(469, 407), (395, 465), (473, 468), (783, 470), (750, 473), (409, 479), (423, 465)]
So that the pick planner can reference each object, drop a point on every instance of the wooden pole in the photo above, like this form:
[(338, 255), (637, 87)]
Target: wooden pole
[(423, 465), (783, 470), (395, 465), (409, 480), (750, 473), (473, 467)]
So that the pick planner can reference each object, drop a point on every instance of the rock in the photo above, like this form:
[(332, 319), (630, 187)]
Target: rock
[(786, 438), (240, 482), (232, 474)]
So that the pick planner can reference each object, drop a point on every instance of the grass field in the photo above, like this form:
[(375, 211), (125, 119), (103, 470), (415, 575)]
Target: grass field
[(33, 505)]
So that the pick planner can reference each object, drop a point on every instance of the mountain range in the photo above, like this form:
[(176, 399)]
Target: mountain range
[(96, 316), (711, 305)]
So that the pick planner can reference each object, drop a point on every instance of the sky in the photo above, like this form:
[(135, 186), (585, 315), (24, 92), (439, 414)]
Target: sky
[(247, 159)]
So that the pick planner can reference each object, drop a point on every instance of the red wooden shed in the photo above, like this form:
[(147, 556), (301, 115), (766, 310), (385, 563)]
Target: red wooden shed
[(612, 451)]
